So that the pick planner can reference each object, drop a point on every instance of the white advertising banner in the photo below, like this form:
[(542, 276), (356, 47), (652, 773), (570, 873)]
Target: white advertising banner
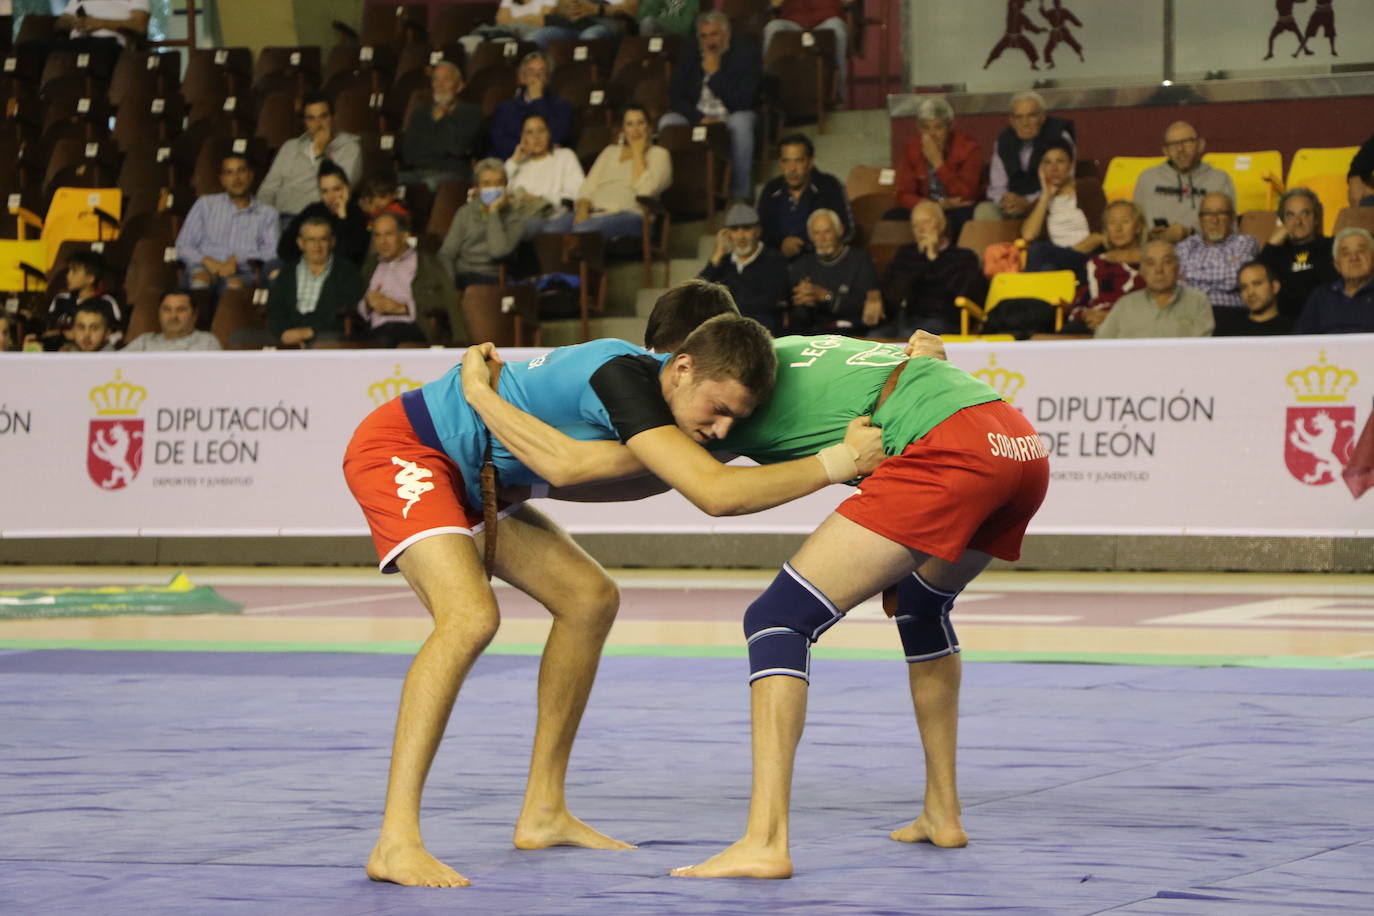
[(1225, 437)]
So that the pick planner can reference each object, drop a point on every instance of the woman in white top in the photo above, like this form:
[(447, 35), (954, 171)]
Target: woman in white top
[(537, 169), (631, 168), (1059, 215)]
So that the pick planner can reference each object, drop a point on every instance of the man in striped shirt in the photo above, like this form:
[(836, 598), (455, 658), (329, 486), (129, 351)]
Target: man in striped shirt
[(225, 233)]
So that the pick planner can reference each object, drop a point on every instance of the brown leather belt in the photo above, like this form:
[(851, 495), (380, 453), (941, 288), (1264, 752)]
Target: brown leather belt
[(490, 510), (890, 385)]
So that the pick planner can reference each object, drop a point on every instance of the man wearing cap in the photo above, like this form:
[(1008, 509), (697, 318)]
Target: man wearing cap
[(755, 274)]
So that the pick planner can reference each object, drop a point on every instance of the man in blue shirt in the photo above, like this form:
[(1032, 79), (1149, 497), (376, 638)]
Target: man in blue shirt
[(413, 465), (225, 233), (1347, 305)]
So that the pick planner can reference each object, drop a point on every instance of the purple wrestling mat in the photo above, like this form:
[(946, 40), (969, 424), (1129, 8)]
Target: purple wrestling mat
[(247, 783)]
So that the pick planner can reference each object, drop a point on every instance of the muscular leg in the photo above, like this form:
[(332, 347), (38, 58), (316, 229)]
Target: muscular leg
[(446, 574), (543, 562), (779, 702), (935, 695)]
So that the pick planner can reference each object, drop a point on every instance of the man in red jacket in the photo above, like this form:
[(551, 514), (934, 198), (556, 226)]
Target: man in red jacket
[(811, 16), (940, 164)]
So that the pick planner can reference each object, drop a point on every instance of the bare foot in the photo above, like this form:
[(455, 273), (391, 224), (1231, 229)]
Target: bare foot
[(540, 831), (742, 860), (412, 866), (926, 829)]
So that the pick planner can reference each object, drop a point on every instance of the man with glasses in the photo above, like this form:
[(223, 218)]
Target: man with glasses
[(1171, 192), (1211, 259), (1297, 253)]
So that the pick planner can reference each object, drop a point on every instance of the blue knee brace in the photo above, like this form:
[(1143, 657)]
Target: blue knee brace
[(923, 620), (783, 622)]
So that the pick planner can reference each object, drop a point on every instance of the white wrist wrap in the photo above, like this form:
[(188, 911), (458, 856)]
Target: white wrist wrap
[(840, 462)]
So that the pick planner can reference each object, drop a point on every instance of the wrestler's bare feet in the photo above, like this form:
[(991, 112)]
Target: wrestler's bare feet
[(540, 830), (745, 859), (926, 829), (411, 865)]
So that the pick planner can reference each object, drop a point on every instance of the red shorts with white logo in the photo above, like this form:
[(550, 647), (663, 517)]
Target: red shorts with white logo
[(974, 481), (407, 490)]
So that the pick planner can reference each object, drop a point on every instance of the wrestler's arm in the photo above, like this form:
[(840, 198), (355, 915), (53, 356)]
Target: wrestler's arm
[(667, 451)]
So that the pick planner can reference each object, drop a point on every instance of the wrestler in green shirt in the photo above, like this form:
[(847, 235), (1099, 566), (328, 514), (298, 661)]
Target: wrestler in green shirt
[(826, 381)]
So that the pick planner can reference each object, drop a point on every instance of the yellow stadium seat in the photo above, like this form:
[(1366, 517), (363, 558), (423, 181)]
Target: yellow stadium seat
[(1323, 171), (76, 215), (1057, 287), (23, 266), (1257, 177), (1122, 173)]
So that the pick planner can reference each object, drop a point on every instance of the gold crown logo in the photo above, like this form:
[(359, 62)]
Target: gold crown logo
[(392, 387), (1005, 383), (118, 398), (1320, 383)]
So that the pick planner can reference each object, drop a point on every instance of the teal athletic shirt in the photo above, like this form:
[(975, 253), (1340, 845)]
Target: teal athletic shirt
[(826, 381), (600, 390)]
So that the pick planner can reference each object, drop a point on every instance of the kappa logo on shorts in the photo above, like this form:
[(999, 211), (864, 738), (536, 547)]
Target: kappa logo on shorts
[(411, 483)]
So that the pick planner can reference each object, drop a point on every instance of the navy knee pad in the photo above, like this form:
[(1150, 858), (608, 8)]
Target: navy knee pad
[(923, 620), (783, 622)]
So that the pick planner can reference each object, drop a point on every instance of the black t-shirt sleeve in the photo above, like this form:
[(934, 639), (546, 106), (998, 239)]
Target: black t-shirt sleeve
[(629, 390)]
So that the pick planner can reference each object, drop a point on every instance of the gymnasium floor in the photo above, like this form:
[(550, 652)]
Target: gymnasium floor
[(1213, 757)]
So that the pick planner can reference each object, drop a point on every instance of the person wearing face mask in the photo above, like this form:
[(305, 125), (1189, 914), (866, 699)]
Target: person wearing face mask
[(625, 171), (346, 218), (486, 228)]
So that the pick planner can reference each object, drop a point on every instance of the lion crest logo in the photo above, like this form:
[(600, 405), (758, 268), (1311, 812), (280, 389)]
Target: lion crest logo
[(1318, 443)]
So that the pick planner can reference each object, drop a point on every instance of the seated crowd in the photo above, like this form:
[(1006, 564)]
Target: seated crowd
[(333, 252)]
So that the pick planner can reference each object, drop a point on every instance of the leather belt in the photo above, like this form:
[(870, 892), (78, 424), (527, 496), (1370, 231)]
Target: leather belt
[(890, 385), (490, 510)]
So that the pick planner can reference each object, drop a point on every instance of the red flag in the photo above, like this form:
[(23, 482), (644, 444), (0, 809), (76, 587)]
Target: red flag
[(1359, 472)]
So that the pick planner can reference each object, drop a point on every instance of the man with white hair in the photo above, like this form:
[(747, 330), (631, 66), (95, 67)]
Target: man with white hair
[(834, 286), (716, 81), (1211, 259), (437, 143), (755, 274), (534, 95), (1347, 305), (1014, 179), (924, 278)]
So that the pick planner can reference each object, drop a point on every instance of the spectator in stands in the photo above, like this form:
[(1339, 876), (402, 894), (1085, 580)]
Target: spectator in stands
[(91, 330), (514, 20), (834, 286), (1014, 179), (1057, 226), (537, 169), (336, 205), (176, 318), (941, 163), (1165, 307), (1260, 289), (533, 96), (439, 136), (1113, 272), (486, 229), (786, 202), (813, 16), (405, 287), (378, 194), (667, 17), (755, 274), (924, 278), (1211, 259), (1171, 192), (86, 272), (1347, 305), (1297, 253), (224, 234), (716, 81), (1361, 176), (291, 182), (308, 300), (585, 19), (631, 168), (99, 28)]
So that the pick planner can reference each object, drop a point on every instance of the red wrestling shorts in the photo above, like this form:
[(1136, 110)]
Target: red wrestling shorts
[(407, 490), (974, 481)]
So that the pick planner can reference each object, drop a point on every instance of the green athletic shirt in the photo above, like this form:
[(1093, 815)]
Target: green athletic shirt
[(828, 380)]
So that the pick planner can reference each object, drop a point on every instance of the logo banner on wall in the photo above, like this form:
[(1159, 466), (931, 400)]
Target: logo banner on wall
[(1220, 437)]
